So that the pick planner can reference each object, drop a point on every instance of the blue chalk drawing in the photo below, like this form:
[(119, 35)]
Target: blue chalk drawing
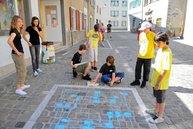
[(109, 125), (73, 95), (113, 101), (59, 105), (96, 101)]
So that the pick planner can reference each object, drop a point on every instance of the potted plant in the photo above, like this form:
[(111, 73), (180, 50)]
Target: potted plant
[(170, 30)]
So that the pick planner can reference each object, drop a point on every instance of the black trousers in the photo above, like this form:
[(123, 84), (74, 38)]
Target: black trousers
[(35, 52), (146, 63)]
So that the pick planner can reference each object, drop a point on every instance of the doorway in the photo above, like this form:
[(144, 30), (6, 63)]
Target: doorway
[(51, 15)]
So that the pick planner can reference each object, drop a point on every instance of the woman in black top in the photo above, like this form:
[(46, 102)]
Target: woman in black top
[(14, 41), (34, 43)]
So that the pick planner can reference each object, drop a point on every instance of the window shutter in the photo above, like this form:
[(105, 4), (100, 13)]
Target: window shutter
[(134, 4), (82, 21), (71, 20), (139, 2), (77, 20)]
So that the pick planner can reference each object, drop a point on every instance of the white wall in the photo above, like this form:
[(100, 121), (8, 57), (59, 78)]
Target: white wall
[(98, 15), (188, 29), (35, 8)]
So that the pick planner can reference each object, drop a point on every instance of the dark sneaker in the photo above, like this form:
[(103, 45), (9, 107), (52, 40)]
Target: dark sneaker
[(110, 37), (134, 83), (143, 84), (156, 120), (92, 69), (118, 82), (86, 77), (95, 68), (74, 73)]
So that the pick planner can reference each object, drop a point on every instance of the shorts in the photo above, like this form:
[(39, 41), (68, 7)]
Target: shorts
[(107, 77), (81, 68), (160, 95), (93, 52), (108, 31)]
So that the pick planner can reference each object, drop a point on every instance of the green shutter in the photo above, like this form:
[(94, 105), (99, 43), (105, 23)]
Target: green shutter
[(139, 2), (134, 4)]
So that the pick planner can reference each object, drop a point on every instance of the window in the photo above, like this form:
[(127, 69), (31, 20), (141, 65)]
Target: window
[(114, 13), (80, 21), (124, 3), (97, 8), (74, 19), (124, 23), (7, 10), (158, 22), (100, 10), (114, 2), (115, 23), (124, 13)]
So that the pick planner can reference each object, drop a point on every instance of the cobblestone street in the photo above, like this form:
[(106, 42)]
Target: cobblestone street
[(57, 100)]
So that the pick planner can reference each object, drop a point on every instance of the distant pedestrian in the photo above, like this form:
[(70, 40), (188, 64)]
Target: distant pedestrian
[(146, 53), (160, 76), (139, 32), (151, 26), (109, 28), (108, 71), (14, 41), (92, 40), (102, 28), (80, 68), (35, 32)]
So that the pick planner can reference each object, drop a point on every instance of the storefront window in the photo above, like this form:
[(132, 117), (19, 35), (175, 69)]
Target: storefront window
[(9, 8)]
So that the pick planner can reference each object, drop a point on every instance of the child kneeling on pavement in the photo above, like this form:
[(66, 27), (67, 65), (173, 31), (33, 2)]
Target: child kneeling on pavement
[(83, 68), (108, 71)]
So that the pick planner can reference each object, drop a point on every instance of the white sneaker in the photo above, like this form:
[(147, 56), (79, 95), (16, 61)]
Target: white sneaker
[(35, 73), (20, 92), (39, 70), (151, 111), (24, 87), (156, 120)]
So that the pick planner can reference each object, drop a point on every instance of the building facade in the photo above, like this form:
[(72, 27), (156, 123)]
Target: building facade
[(98, 11), (161, 12), (63, 22), (117, 12)]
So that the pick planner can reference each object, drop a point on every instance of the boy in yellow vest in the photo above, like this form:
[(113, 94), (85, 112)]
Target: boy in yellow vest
[(146, 53), (160, 76)]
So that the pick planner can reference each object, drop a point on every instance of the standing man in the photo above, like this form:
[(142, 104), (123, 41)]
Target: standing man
[(146, 53), (109, 28)]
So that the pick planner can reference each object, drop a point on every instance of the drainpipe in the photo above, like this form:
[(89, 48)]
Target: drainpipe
[(142, 11)]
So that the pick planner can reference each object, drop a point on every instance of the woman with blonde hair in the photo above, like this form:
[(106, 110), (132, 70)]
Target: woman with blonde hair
[(14, 41), (34, 43)]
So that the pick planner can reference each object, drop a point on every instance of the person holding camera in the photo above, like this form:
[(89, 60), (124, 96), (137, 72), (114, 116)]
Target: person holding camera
[(92, 39)]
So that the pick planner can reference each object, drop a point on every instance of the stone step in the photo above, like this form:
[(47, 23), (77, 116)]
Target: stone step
[(58, 46)]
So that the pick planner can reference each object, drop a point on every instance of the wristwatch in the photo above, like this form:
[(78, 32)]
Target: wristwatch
[(157, 84)]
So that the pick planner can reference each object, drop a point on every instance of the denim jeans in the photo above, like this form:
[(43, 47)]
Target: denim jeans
[(146, 63), (107, 77), (35, 54)]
